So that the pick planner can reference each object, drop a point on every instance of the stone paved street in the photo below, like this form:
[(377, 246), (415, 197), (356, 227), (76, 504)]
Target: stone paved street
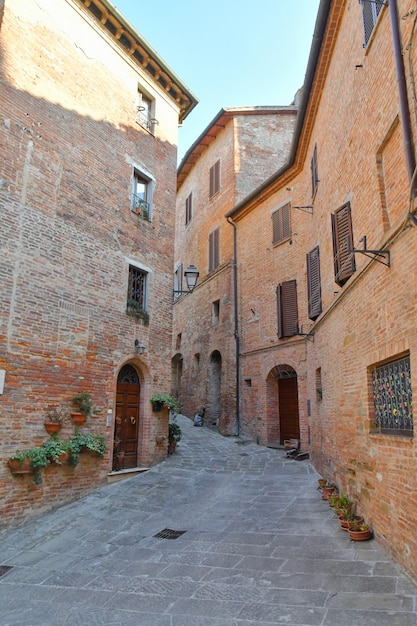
[(260, 547)]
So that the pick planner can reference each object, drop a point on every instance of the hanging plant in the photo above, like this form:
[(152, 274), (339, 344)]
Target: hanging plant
[(134, 310)]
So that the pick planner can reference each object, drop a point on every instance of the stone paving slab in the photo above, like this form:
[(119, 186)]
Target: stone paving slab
[(248, 557)]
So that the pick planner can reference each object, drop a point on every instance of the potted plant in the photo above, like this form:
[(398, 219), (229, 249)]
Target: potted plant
[(54, 420), (34, 458), (174, 435), (56, 450), (134, 310), (159, 400), (359, 531), (84, 404), (81, 442), (327, 491)]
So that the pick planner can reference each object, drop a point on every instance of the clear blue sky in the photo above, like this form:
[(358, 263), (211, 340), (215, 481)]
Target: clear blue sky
[(230, 52)]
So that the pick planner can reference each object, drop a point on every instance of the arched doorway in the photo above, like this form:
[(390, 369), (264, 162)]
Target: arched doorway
[(213, 409), (283, 415), (126, 428)]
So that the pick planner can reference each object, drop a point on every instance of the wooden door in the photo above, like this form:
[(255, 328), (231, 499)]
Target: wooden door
[(288, 409), (127, 422)]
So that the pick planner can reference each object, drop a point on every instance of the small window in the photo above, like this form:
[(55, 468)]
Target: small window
[(319, 388), (313, 283), (344, 261), (214, 179), (215, 312), (196, 364), (137, 293), (141, 195), (287, 309), (392, 397), (314, 173), (145, 110), (370, 11), (178, 341), (281, 225), (214, 250), (188, 208)]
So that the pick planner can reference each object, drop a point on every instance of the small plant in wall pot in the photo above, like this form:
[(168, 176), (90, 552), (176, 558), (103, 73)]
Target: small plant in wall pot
[(159, 400)]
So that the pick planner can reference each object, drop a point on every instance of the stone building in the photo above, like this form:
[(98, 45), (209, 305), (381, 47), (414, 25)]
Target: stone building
[(88, 135), (233, 155), (327, 279)]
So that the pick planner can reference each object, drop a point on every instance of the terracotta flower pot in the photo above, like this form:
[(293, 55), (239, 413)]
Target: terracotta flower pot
[(52, 427), (326, 491), (19, 469), (360, 535), (78, 418), (322, 482)]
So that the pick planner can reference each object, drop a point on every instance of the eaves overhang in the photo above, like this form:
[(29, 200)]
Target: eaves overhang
[(326, 29), (135, 46), (217, 124)]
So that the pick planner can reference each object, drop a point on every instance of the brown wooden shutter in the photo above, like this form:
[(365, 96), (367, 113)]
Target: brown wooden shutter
[(188, 208), (314, 172), (281, 225), (313, 283), (287, 309), (214, 178), (344, 261), (214, 250)]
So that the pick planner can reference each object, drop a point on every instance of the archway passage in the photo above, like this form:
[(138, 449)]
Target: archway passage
[(127, 418), (213, 411), (284, 420)]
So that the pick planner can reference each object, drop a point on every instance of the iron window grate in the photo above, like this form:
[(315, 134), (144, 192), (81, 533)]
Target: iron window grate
[(392, 396), (168, 533), (5, 568)]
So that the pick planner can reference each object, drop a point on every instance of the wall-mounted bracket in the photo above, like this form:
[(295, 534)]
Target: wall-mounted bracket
[(308, 208), (309, 336), (382, 256)]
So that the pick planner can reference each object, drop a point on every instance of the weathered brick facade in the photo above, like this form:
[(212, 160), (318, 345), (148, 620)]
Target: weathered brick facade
[(351, 113), (249, 144), (70, 145)]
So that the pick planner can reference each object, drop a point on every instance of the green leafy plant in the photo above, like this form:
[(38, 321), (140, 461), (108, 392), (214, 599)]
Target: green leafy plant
[(83, 402), (134, 310), (38, 460), (55, 447), (80, 441), (174, 432), (166, 400)]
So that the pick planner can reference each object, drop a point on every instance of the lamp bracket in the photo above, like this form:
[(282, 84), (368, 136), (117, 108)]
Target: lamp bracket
[(382, 256), (309, 336), (308, 208)]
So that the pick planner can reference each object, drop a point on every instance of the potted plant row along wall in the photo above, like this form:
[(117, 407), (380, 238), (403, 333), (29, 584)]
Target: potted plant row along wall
[(356, 526)]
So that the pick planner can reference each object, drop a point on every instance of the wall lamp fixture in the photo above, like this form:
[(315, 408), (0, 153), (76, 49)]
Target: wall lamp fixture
[(191, 274), (139, 346)]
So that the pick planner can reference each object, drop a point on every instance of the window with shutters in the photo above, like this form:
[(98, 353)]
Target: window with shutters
[(287, 309), (313, 283), (188, 208), (344, 261), (214, 250), (314, 173), (370, 12), (214, 179), (281, 225)]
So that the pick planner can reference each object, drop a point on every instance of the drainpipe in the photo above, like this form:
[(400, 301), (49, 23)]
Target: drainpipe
[(236, 328), (402, 89)]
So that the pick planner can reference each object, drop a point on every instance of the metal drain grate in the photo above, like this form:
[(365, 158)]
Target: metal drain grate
[(168, 533), (4, 569)]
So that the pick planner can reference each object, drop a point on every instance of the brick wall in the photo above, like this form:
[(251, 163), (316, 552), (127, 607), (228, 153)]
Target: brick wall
[(70, 141)]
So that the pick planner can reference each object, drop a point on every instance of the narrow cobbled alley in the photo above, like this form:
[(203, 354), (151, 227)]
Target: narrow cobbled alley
[(220, 534)]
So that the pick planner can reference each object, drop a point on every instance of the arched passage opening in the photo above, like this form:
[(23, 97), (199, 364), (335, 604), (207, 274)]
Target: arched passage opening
[(126, 426), (213, 409), (176, 375), (283, 420)]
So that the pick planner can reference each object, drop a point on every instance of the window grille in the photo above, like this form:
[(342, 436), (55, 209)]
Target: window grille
[(370, 11), (137, 286), (392, 397)]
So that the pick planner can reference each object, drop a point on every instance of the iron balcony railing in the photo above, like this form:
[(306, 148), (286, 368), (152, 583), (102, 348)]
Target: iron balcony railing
[(143, 118), (141, 207)]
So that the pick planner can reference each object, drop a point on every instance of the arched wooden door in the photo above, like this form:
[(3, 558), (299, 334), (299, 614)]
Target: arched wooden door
[(127, 417)]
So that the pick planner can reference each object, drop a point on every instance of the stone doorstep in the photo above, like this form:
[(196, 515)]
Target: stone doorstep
[(113, 477)]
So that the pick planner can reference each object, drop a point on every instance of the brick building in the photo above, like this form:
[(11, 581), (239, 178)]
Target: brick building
[(327, 279), (233, 155), (88, 135)]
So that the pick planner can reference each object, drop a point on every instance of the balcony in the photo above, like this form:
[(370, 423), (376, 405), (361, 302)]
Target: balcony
[(143, 119)]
